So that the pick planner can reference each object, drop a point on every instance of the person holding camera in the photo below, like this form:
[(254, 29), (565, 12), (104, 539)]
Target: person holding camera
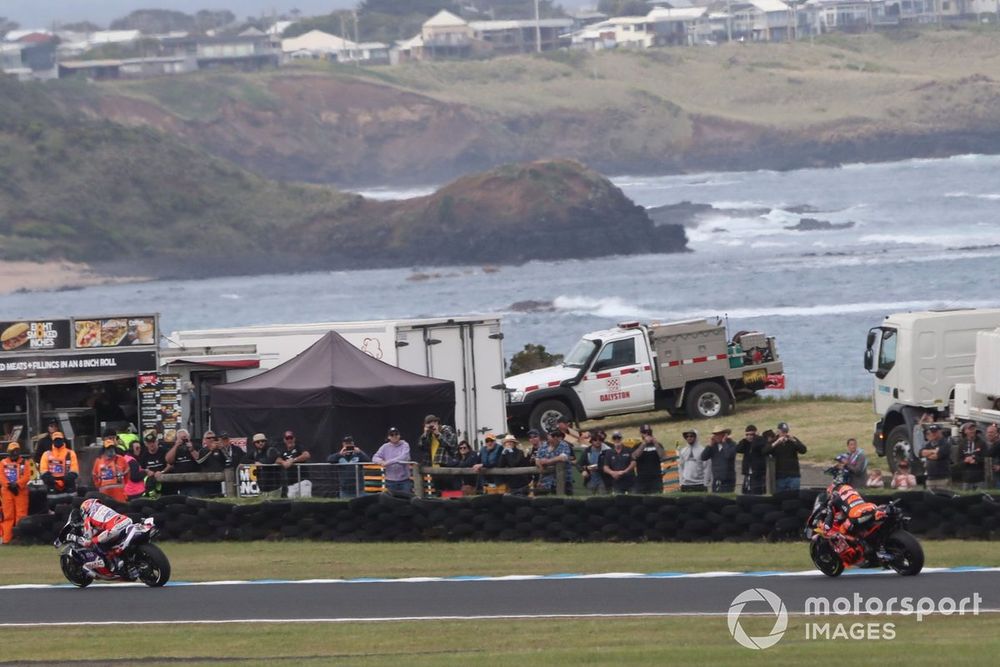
[(349, 475), (786, 449), (183, 456), (439, 446)]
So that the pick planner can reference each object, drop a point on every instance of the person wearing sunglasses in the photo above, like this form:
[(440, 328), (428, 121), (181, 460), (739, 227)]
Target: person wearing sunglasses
[(291, 455)]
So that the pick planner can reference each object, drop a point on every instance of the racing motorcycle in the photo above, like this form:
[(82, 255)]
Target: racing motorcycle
[(135, 558), (885, 544)]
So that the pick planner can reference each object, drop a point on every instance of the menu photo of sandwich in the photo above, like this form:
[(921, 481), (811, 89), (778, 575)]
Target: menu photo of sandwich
[(88, 333), (113, 332), (14, 336)]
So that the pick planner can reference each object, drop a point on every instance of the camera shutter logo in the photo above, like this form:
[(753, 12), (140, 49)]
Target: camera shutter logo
[(780, 623)]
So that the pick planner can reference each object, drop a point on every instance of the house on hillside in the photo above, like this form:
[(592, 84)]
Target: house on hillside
[(586, 17), (32, 56), (245, 52), (817, 17), (445, 35), (683, 26), (753, 21), (523, 36), (317, 44)]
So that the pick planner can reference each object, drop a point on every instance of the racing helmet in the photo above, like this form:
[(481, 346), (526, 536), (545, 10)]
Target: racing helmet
[(87, 504)]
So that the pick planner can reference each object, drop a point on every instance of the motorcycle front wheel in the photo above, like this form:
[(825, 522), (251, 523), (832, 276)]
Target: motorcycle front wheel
[(907, 554), (153, 566), (825, 558), (74, 572)]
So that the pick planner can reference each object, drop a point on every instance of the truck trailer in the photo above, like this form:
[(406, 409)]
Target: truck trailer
[(466, 350)]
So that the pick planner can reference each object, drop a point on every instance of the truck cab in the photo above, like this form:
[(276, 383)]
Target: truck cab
[(607, 372), (917, 359), (685, 367)]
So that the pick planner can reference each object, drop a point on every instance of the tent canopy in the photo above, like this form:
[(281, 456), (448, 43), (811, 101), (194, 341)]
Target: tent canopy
[(330, 390)]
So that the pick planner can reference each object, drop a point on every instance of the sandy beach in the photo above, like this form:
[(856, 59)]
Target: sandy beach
[(44, 276)]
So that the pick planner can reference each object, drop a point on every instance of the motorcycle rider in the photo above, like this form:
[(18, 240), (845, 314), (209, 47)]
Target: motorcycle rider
[(848, 512), (103, 529)]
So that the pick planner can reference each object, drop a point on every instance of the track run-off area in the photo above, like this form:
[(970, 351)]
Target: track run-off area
[(951, 590)]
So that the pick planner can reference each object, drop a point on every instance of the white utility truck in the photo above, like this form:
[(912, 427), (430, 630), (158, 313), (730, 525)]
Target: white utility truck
[(466, 350), (945, 364), (685, 367)]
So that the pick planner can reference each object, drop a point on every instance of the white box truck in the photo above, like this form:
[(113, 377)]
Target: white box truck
[(942, 363), (466, 350), (685, 367)]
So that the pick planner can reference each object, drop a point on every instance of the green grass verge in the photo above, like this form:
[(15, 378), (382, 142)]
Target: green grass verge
[(313, 560), (823, 423), (648, 641)]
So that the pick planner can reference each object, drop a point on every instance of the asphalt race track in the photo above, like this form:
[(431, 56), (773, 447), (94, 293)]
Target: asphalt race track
[(557, 595)]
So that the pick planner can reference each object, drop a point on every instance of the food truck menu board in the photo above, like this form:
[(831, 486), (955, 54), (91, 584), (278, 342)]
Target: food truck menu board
[(77, 334), (159, 404), (35, 335)]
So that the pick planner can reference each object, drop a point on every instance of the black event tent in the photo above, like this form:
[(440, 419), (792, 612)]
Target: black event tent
[(330, 390)]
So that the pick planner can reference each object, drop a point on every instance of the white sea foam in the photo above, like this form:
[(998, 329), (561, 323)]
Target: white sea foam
[(611, 306), (989, 196)]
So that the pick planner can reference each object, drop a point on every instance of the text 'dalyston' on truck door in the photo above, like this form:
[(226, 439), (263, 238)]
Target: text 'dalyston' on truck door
[(619, 379)]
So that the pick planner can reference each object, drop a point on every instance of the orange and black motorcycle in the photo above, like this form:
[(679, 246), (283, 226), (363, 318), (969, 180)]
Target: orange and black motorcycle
[(884, 544)]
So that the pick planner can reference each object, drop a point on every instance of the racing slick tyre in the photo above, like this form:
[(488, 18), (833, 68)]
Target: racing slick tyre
[(154, 568), (825, 559), (707, 400), (74, 572), (908, 555), (544, 415)]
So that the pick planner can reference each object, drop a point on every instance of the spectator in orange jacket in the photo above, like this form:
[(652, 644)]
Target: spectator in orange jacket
[(15, 472), (110, 470), (59, 467)]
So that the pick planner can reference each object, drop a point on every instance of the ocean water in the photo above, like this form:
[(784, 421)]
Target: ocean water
[(907, 235)]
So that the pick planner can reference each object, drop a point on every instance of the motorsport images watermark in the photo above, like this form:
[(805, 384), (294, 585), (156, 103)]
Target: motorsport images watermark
[(857, 605)]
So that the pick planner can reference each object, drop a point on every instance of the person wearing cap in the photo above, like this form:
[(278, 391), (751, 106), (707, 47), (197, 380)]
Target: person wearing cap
[(695, 474), (786, 450), (44, 443), (570, 435), (438, 444), (394, 456), (349, 473), (754, 463), (511, 456), (288, 458), (937, 457), (721, 451), (553, 450), (232, 456), (489, 457), (648, 456), (153, 461), (110, 469), (903, 478), (182, 457), (971, 456), (619, 466), (591, 464), (855, 463), (59, 467), (15, 473)]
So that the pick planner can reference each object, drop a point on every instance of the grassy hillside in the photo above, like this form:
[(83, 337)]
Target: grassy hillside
[(87, 189), (840, 98)]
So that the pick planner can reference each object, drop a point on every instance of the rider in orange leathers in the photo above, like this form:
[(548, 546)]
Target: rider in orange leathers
[(15, 473), (850, 513)]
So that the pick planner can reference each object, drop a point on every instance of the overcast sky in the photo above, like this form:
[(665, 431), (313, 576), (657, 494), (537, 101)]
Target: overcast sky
[(42, 13)]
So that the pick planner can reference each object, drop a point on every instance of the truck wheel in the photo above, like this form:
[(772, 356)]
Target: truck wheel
[(707, 400), (897, 445), (544, 415)]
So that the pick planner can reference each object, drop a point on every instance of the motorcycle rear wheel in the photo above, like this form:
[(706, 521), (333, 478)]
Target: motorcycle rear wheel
[(74, 572), (907, 554), (153, 566), (825, 558)]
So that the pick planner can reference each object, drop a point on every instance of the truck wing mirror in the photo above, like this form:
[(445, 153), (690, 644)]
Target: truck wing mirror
[(869, 360)]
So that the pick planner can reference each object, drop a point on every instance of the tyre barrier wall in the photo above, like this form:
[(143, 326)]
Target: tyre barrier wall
[(384, 517)]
